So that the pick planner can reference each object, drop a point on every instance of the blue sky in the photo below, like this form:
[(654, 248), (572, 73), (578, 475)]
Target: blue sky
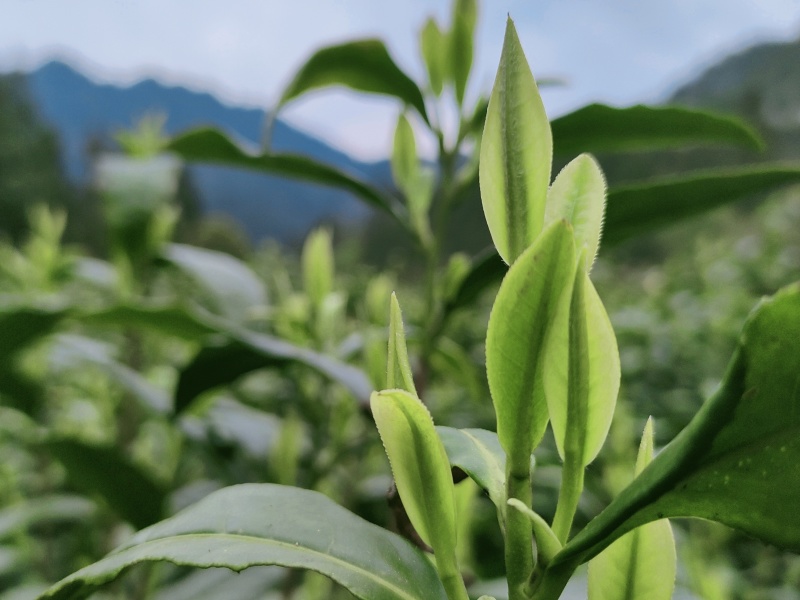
[(616, 51)]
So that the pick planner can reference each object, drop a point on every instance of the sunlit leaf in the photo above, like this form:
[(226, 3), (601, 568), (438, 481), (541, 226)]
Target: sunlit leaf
[(578, 195), (525, 306), (398, 372), (364, 65), (582, 373), (422, 474), (249, 525), (516, 154)]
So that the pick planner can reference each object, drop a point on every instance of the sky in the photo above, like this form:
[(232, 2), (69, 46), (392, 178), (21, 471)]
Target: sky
[(245, 51)]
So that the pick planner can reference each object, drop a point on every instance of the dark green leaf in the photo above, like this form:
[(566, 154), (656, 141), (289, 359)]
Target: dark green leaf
[(636, 209), (249, 525), (738, 461), (169, 320), (21, 326), (104, 471), (245, 351), (601, 128), (364, 65), (478, 453), (213, 146)]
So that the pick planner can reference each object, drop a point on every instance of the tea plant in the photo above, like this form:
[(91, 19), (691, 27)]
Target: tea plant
[(551, 356)]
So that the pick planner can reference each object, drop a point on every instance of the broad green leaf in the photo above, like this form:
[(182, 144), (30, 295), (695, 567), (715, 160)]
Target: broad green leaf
[(213, 146), (249, 525), (738, 460), (642, 563), (461, 38), (578, 195), (581, 373), (398, 371), (102, 470), (405, 164), (243, 351), (516, 154), (601, 128), (422, 474), (55, 508), (525, 306), (637, 209), (364, 66), (232, 287), (318, 267), (433, 44), (478, 453)]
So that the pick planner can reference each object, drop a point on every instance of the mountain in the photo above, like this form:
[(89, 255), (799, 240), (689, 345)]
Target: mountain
[(86, 114)]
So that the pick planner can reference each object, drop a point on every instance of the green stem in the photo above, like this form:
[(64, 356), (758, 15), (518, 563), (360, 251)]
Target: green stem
[(454, 586), (519, 534), (568, 496)]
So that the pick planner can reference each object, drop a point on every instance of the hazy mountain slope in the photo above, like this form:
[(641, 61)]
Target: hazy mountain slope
[(86, 114)]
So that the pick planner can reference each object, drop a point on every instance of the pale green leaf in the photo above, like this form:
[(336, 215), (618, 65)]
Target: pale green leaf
[(318, 267), (642, 563), (250, 525), (578, 195), (516, 154), (422, 474), (585, 417), (465, 15), (525, 306), (398, 371), (478, 453), (405, 165), (433, 44)]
